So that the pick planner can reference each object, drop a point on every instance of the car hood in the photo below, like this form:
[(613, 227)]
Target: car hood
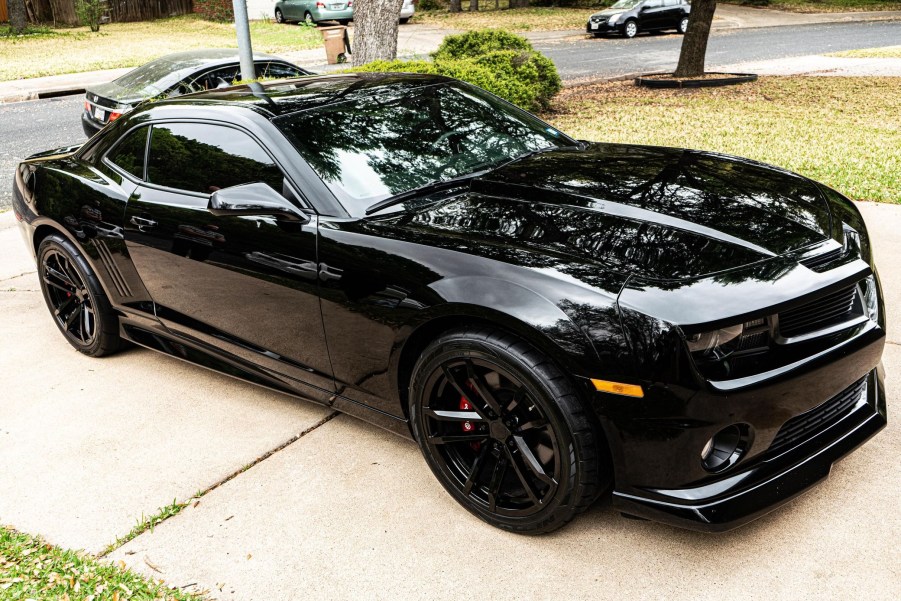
[(653, 212), (610, 12)]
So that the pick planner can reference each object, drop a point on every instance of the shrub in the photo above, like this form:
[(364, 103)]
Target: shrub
[(215, 10), (513, 71), (477, 43), (89, 12)]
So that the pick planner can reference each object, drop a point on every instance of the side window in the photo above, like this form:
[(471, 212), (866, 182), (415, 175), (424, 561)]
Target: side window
[(653, 4), (280, 71), (128, 154), (198, 157), (215, 79)]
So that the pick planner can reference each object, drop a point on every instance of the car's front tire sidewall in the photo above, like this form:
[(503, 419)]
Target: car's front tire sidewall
[(279, 17), (566, 500), (683, 25), (630, 29)]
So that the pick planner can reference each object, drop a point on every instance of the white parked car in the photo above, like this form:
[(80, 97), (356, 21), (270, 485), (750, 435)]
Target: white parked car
[(406, 11)]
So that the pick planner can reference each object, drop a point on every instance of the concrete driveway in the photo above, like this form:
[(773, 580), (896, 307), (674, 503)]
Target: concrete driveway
[(347, 511)]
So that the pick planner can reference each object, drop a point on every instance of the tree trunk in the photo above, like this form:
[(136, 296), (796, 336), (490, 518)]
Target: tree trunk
[(64, 12), (694, 44), (454, 6), (473, 6), (17, 20), (375, 30), (519, 3)]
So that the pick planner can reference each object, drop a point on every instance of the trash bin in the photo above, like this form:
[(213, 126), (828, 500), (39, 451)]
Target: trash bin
[(337, 43)]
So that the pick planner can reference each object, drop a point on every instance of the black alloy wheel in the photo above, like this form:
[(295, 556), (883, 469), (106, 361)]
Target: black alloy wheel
[(504, 431), (80, 309), (683, 25), (279, 17)]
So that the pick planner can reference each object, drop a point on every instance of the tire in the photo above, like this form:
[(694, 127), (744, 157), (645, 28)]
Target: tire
[(505, 431), (308, 18), (279, 17), (75, 298), (405, 20), (630, 28), (683, 25)]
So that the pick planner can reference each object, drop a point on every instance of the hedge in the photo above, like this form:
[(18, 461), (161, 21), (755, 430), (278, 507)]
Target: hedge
[(502, 63)]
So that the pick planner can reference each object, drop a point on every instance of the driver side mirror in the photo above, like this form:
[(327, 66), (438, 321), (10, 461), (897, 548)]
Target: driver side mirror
[(256, 199)]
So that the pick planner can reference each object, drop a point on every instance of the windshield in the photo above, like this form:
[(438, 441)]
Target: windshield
[(397, 139), (627, 4)]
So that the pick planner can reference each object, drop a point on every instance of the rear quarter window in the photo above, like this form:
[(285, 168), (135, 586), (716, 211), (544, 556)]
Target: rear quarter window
[(128, 154)]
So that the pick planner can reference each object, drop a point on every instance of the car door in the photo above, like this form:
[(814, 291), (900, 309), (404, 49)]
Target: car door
[(651, 15), (672, 11), (244, 285)]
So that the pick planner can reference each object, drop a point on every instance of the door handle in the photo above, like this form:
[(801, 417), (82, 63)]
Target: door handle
[(142, 222)]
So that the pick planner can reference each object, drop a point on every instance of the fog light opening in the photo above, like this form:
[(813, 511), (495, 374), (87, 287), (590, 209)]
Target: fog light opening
[(725, 448)]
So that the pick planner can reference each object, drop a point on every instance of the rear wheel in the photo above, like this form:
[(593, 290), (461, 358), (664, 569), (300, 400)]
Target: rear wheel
[(308, 18), (683, 25), (630, 29), (504, 431), (279, 17), (75, 299)]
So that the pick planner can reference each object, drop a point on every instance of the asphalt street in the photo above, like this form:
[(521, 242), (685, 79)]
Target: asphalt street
[(29, 127)]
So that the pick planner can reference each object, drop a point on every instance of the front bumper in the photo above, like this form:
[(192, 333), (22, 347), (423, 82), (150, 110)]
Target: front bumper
[(768, 482), (602, 27)]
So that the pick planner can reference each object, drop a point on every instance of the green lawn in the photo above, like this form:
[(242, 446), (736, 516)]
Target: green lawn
[(57, 51), (828, 6), (32, 569), (842, 131), (886, 52)]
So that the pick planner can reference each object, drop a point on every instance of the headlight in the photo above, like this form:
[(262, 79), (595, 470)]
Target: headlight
[(614, 19), (713, 341)]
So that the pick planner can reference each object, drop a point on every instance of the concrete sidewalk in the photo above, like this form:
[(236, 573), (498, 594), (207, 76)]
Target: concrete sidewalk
[(419, 40), (347, 511)]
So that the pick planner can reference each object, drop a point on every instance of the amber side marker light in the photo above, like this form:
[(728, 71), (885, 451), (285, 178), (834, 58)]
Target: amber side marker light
[(618, 388)]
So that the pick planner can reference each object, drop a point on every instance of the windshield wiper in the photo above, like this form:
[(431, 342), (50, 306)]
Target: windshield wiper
[(454, 182)]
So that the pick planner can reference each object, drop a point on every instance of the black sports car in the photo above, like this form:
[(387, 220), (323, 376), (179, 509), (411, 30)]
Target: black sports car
[(174, 75), (549, 319), (629, 17)]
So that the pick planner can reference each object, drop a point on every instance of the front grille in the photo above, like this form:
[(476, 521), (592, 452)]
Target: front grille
[(804, 426), (820, 263), (834, 308)]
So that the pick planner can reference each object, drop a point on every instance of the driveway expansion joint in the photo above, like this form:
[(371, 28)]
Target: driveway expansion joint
[(129, 537)]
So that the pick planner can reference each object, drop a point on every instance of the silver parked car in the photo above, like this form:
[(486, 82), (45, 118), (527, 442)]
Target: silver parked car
[(314, 11)]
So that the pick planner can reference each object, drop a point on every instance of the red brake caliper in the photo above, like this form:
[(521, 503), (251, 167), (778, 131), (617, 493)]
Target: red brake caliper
[(468, 426)]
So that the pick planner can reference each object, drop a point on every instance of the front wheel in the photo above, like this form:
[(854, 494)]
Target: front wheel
[(630, 29), (308, 18), (75, 298), (504, 431), (404, 20), (279, 17), (683, 25)]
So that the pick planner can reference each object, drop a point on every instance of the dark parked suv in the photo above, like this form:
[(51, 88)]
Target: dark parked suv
[(628, 17)]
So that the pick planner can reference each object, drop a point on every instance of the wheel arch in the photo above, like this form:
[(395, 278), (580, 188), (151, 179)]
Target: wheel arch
[(457, 315)]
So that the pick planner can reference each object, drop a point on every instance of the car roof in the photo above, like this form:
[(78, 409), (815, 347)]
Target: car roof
[(285, 97)]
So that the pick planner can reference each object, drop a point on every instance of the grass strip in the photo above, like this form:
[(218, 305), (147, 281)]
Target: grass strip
[(46, 51), (31, 568), (842, 131)]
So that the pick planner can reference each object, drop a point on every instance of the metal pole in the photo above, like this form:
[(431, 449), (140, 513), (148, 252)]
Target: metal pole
[(242, 28)]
